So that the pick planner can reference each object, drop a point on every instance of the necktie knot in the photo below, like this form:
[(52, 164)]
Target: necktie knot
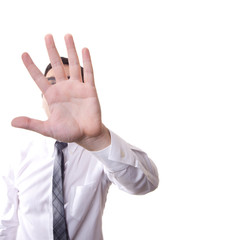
[(60, 145)]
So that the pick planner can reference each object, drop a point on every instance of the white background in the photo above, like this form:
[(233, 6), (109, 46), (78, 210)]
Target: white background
[(168, 79)]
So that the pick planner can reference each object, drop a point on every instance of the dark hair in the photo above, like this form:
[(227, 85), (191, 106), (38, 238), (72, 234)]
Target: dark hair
[(65, 62)]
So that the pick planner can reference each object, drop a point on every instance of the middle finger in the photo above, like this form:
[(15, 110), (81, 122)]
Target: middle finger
[(74, 65), (55, 59)]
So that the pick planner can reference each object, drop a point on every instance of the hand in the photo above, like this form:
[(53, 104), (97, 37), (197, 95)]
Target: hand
[(75, 114)]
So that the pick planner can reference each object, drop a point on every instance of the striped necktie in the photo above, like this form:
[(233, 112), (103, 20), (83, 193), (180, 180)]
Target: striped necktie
[(59, 221)]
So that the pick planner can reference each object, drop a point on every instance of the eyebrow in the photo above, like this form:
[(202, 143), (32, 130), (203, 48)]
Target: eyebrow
[(53, 79)]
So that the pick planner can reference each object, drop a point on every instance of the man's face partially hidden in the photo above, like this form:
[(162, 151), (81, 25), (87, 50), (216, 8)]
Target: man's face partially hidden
[(51, 79)]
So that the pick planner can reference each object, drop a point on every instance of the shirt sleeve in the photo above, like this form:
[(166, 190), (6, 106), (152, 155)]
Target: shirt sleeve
[(8, 206), (128, 167)]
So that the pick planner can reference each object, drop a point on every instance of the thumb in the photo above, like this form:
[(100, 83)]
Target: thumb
[(30, 124)]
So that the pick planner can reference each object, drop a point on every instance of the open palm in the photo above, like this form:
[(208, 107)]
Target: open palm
[(75, 114)]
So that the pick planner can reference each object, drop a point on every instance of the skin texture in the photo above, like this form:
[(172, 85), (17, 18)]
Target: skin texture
[(73, 108), (49, 75)]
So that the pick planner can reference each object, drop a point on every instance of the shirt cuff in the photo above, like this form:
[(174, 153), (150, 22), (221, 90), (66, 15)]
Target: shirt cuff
[(117, 156)]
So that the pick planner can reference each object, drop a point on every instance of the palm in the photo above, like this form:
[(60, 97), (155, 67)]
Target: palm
[(74, 113), (73, 104)]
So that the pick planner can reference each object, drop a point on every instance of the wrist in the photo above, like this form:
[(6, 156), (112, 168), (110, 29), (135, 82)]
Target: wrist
[(98, 142)]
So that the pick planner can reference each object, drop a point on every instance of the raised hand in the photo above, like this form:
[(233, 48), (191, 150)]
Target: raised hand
[(74, 109)]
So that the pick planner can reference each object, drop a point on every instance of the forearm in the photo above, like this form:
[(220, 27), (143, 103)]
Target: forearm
[(133, 180), (128, 167)]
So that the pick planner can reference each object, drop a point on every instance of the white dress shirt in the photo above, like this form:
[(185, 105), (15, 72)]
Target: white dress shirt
[(26, 201)]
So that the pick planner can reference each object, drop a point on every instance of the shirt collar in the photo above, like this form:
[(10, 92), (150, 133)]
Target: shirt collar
[(72, 147)]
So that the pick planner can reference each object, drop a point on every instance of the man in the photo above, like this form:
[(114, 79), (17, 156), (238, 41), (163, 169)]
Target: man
[(93, 159)]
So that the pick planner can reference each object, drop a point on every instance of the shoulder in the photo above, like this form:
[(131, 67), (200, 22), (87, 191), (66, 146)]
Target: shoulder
[(21, 143)]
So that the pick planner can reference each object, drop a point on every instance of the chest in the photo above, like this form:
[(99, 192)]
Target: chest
[(34, 178)]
